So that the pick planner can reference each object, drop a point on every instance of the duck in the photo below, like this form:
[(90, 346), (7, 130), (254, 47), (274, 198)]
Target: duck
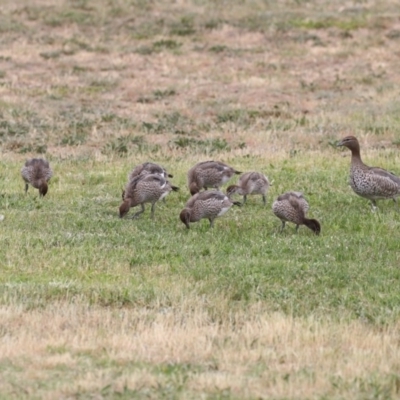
[(250, 183), (37, 172), (208, 204), (293, 207), (372, 183), (209, 174), (149, 168), (147, 188)]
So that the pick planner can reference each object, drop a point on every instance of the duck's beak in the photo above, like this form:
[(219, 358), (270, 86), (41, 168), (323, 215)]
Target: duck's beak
[(340, 144)]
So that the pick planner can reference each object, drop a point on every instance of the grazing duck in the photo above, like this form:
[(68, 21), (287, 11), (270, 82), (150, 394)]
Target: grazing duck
[(210, 205), (373, 183), (37, 172), (209, 174), (149, 168), (292, 207), (250, 183), (148, 188)]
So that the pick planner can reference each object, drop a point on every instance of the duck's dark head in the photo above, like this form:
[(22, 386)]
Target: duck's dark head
[(124, 208), (314, 225), (43, 188), (232, 189), (351, 143), (185, 217), (194, 188)]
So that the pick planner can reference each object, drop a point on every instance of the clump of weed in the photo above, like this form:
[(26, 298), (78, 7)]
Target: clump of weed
[(158, 46), (22, 147), (74, 139), (8, 25), (218, 48), (12, 129), (244, 117), (393, 34), (212, 24), (348, 24), (207, 146), (48, 55), (160, 94), (147, 29), (69, 17), (73, 45), (173, 122), (168, 44), (77, 69), (124, 145), (183, 27), (157, 95), (101, 86)]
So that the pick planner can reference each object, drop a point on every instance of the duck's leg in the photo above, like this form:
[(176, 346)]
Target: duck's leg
[(211, 222), (373, 205), (282, 227), (153, 206), (264, 199), (26, 187), (244, 199), (297, 228), (397, 204), (139, 212)]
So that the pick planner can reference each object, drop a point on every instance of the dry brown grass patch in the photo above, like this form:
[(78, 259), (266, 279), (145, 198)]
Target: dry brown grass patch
[(327, 67), (252, 354)]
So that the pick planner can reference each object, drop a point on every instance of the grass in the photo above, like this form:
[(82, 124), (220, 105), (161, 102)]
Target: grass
[(93, 306)]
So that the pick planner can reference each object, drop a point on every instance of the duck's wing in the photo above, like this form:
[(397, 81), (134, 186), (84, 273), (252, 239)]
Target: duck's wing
[(214, 165), (131, 186), (211, 194), (385, 176), (288, 195), (156, 179)]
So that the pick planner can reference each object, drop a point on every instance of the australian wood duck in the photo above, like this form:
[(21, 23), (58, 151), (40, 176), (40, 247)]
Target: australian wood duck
[(209, 174), (250, 183), (373, 183), (210, 204), (149, 168), (147, 188), (37, 172), (292, 207)]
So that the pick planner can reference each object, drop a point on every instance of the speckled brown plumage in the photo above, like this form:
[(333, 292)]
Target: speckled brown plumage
[(372, 183), (208, 174), (250, 183), (147, 188), (149, 168), (210, 204), (37, 172), (293, 207)]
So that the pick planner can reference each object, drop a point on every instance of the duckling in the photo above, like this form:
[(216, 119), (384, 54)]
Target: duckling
[(210, 204), (250, 183), (147, 188), (149, 168), (37, 172), (292, 207), (209, 174), (373, 183)]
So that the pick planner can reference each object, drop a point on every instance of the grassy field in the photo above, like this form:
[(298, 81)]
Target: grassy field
[(95, 307)]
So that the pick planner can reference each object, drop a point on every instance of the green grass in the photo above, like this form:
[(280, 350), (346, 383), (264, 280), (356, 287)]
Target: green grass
[(72, 243)]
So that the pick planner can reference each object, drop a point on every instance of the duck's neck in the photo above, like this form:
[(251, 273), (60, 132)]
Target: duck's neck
[(355, 156)]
